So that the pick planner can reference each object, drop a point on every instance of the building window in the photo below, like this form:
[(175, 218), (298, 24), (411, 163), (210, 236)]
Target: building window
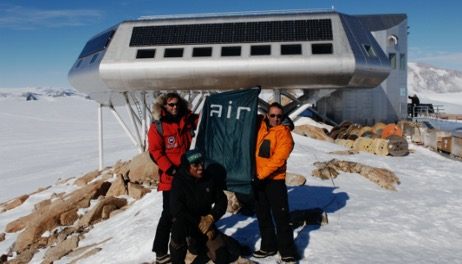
[(369, 50), (230, 51), (392, 40), (392, 58), (202, 52), (260, 50), (93, 59), (291, 49), (402, 61), (145, 53), (322, 48), (173, 53)]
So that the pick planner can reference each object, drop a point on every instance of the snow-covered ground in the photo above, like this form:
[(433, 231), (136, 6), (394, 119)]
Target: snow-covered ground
[(421, 222)]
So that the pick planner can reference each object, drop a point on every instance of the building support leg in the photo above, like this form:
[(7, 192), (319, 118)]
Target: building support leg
[(100, 136)]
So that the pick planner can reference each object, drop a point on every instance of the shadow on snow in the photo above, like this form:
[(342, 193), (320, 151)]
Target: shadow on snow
[(301, 199)]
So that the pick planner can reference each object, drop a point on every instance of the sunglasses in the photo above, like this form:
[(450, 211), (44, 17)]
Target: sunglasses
[(172, 104), (274, 115)]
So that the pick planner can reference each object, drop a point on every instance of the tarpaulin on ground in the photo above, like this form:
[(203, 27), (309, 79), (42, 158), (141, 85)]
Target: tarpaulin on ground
[(227, 134)]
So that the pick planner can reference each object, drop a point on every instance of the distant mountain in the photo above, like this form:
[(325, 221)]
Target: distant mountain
[(423, 78), (35, 93)]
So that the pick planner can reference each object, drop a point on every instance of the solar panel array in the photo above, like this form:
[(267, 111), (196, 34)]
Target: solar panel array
[(97, 44), (240, 32)]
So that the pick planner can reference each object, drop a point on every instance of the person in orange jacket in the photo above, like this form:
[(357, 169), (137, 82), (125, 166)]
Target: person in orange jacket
[(169, 137), (274, 145)]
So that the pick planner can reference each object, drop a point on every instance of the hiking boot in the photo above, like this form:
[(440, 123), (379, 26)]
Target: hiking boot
[(164, 259), (288, 260), (263, 254)]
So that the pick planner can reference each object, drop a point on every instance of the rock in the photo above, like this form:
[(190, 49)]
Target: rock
[(41, 189), (107, 209), (24, 257), (18, 224), (67, 231), (118, 187), (13, 203), (42, 204), (137, 191), (57, 195), (121, 168), (106, 176), (69, 217), (87, 254), (382, 177), (95, 214), (49, 216), (2, 236), (344, 152), (82, 181), (143, 170), (293, 179), (233, 203), (313, 132), (60, 250)]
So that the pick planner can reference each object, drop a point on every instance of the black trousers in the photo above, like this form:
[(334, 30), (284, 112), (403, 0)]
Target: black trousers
[(272, 202), (187, 235), (164, 227)]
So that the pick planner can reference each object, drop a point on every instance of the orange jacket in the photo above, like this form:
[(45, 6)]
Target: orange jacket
[(274, 165)]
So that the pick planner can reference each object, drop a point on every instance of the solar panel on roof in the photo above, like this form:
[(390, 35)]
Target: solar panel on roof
[(97, 44), (241, 32)]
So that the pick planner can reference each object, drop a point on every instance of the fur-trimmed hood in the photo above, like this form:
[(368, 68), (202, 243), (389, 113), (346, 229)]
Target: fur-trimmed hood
[(157, 110)]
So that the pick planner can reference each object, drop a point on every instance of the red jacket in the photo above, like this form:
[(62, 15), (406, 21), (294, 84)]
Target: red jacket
[(167, 147)]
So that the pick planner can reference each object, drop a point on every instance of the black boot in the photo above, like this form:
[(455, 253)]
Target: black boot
[(177, 252)]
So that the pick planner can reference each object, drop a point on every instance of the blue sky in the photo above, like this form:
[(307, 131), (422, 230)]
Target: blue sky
[(40, 40)]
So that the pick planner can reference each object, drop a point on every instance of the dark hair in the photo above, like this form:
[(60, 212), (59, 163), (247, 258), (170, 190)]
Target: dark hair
[(277, 105), (182, 103), (170, 96)]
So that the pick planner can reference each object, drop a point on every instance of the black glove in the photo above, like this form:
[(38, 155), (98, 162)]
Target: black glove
[(172, 170)]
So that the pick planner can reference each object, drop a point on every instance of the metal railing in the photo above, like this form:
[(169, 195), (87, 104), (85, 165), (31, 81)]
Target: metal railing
[(425, 110)]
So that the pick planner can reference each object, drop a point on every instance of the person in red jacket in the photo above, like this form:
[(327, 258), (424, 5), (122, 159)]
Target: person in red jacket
[(169, 137)]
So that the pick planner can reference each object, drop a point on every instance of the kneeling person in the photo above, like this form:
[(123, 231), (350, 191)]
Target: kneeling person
[(197, 200)]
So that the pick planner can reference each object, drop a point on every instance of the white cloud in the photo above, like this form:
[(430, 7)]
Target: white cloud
[(17, 17), (445, 59)]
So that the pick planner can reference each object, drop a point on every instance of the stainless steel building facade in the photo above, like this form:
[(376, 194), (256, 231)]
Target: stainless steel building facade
[(388, 101)]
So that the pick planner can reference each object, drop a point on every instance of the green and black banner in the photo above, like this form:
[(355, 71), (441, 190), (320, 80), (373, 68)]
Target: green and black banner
[(227, 135)]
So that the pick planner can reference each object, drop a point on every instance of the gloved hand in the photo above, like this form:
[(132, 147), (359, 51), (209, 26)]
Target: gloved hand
[(211, 234), (205, 223), (172, 170)]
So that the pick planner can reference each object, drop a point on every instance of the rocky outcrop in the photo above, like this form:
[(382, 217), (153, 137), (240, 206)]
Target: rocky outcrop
[(382, 177), (58, 222), (313, 132), (61, 249), (121, 168), (82, 181), (143, 170), (118, 187), (96, 213), (42, 204), (137, 191), (49, 216), (293, 179), (13, 203), (69, 217)]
